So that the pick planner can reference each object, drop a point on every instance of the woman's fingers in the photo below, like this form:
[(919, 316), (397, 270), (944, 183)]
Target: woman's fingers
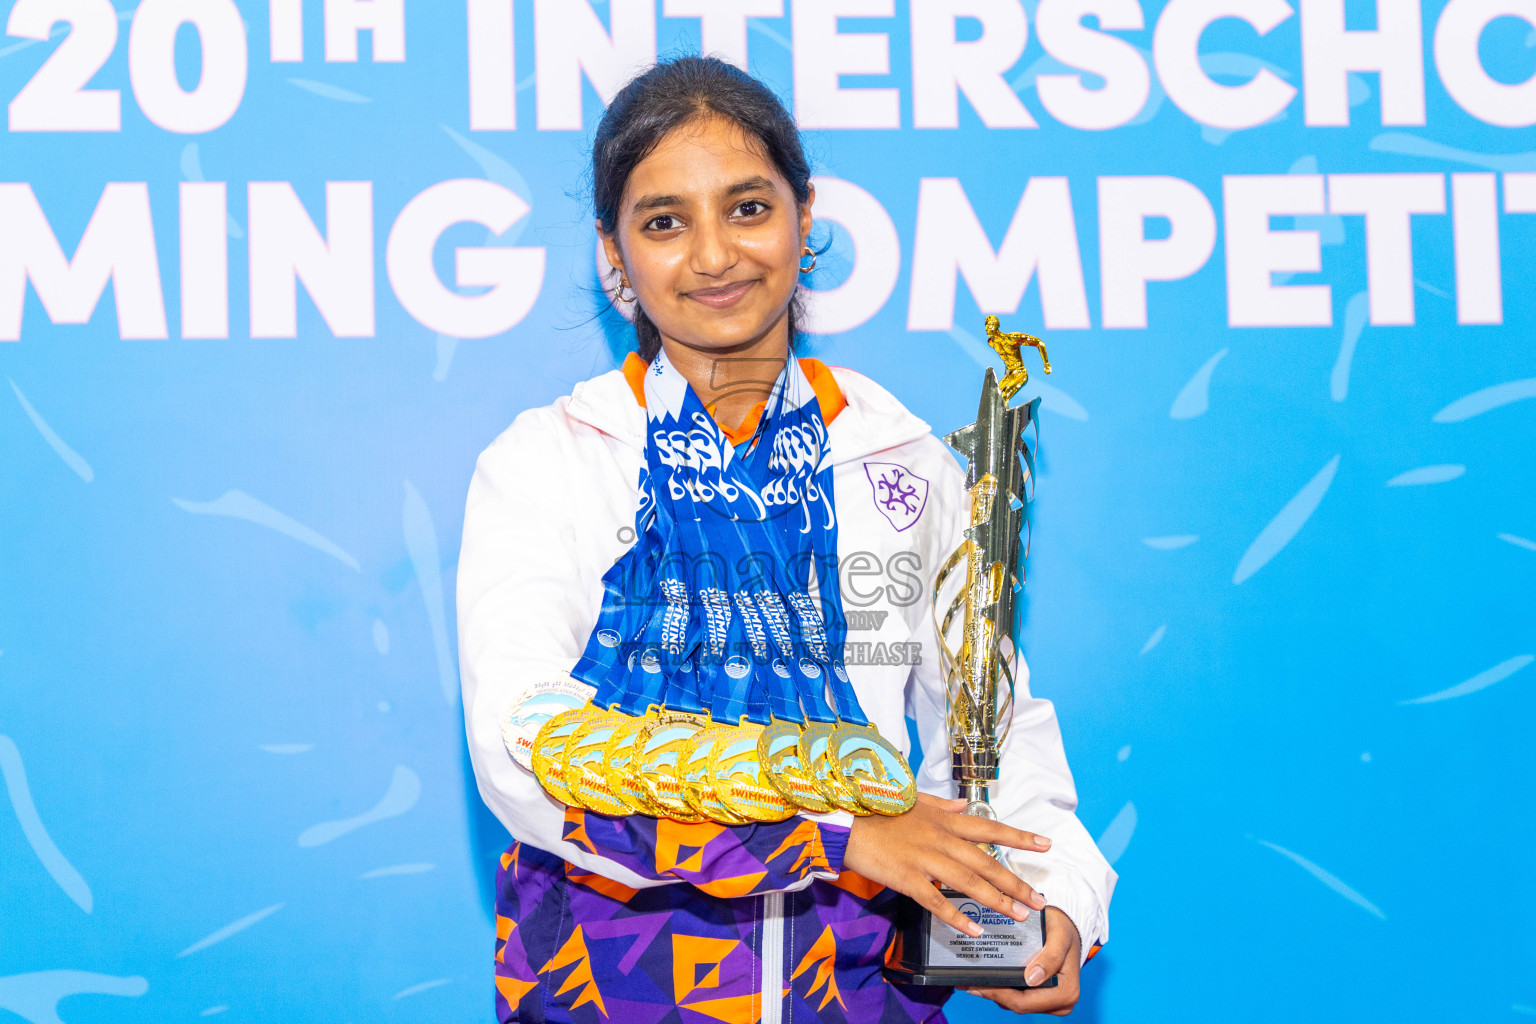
[(952, 805), (1004, 880), (936, 843), (1029, 1000), (966, 868), (1052, 957), (1058, 959), (962, 877), (985, 830), (930, 899)]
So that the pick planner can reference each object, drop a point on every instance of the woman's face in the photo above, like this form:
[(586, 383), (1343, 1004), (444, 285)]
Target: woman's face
[(710, 237)]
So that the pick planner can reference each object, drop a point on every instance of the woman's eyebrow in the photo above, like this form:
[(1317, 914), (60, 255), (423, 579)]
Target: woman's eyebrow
[(653, 202), (756, 183)]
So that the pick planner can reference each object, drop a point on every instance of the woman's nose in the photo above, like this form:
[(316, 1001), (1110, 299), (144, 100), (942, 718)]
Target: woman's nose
[(714, 250)]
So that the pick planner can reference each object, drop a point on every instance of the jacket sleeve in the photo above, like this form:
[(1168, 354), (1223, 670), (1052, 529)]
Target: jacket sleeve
[(1034, 790), (529, 588)]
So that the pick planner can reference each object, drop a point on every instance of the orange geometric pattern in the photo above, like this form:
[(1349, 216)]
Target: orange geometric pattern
[(689, 953), (822, 955), (896, 951), (858, 885), (576, 829), (504, 926), (731, 888), (597, 883), (730, 1010), (693, 954), (575, 952), (680, 850), (813, 856), (673, 838), (513, 989), (509, 860), (719, 860)]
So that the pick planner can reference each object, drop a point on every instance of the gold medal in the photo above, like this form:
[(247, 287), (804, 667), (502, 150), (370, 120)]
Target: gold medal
[(698, 784), (583, 761), (815, 754), (659, 749), (741, 782), (872, 769), (547, 756), (778, 751), (619, 758)]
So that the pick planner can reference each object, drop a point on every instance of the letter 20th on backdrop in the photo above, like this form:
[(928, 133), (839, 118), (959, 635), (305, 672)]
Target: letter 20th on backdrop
[(573, 46)]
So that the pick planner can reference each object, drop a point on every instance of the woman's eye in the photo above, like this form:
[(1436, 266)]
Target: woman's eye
[(665, 222), (752, 208)]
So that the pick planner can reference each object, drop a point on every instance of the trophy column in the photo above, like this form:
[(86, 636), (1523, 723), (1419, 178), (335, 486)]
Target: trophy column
[(976, 655)]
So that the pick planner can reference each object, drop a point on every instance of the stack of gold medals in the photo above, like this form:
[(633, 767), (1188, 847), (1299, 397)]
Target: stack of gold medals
[(753, 757)]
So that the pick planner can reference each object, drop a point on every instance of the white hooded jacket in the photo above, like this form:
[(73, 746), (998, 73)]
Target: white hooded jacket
[(552, 506)]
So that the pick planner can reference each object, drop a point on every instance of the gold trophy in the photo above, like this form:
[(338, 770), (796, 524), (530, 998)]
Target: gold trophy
[(976, 655)]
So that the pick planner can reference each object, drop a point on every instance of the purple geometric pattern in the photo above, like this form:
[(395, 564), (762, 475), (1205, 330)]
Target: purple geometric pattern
[(577, 946)]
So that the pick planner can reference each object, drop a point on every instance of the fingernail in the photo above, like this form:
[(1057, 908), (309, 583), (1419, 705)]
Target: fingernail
[(1034, 976), (1020, 911), (1041, 842), (974, 930)]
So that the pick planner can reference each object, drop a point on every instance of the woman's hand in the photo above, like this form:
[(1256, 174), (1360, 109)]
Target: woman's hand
[(1061, 958), (936, 842)]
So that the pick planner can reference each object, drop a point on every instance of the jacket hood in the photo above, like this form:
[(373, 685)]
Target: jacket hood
[(873, 420)]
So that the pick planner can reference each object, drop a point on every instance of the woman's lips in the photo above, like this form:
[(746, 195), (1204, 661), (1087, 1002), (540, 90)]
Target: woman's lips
[(723, 296)]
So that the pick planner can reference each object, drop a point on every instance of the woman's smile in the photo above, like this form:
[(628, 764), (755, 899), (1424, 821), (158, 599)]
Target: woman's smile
[(721, 296)]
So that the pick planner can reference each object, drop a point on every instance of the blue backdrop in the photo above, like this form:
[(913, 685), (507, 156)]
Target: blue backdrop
[(1283, 573)]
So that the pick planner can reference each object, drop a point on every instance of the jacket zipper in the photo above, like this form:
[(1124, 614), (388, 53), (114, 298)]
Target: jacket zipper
[(772, 959)]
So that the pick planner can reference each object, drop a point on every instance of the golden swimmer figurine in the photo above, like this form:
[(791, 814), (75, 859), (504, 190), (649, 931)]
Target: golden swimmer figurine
[(1008, 346)]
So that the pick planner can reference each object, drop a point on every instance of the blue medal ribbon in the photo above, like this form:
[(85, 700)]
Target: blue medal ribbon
[(625, 612), (728, 599)]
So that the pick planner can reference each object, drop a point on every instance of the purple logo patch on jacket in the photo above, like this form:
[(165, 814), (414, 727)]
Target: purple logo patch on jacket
[(900, 495)]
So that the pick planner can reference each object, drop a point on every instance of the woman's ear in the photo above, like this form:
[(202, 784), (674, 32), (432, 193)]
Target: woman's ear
[(805, 214), (611, 249)]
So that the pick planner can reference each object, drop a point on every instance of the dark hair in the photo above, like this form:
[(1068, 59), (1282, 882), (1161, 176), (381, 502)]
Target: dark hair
[(668, 96)]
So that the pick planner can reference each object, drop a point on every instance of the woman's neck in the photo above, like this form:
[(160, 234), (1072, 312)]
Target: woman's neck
[(732, 380)]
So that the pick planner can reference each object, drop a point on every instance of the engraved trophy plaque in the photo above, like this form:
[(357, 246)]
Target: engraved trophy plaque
[(976, 654)]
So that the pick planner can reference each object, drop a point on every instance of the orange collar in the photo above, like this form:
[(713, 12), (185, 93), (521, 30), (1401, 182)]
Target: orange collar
[(828, 395)]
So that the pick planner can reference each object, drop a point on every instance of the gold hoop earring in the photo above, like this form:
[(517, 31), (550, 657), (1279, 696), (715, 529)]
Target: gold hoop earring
[(618, 292), (808, 251)]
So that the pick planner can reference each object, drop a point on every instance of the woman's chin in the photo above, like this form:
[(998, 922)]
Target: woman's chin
[(724, 330)]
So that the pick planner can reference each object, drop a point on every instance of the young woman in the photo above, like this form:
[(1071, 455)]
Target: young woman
[(704, 205)]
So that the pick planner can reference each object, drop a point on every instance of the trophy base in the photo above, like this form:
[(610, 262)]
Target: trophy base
[(930, 952)]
